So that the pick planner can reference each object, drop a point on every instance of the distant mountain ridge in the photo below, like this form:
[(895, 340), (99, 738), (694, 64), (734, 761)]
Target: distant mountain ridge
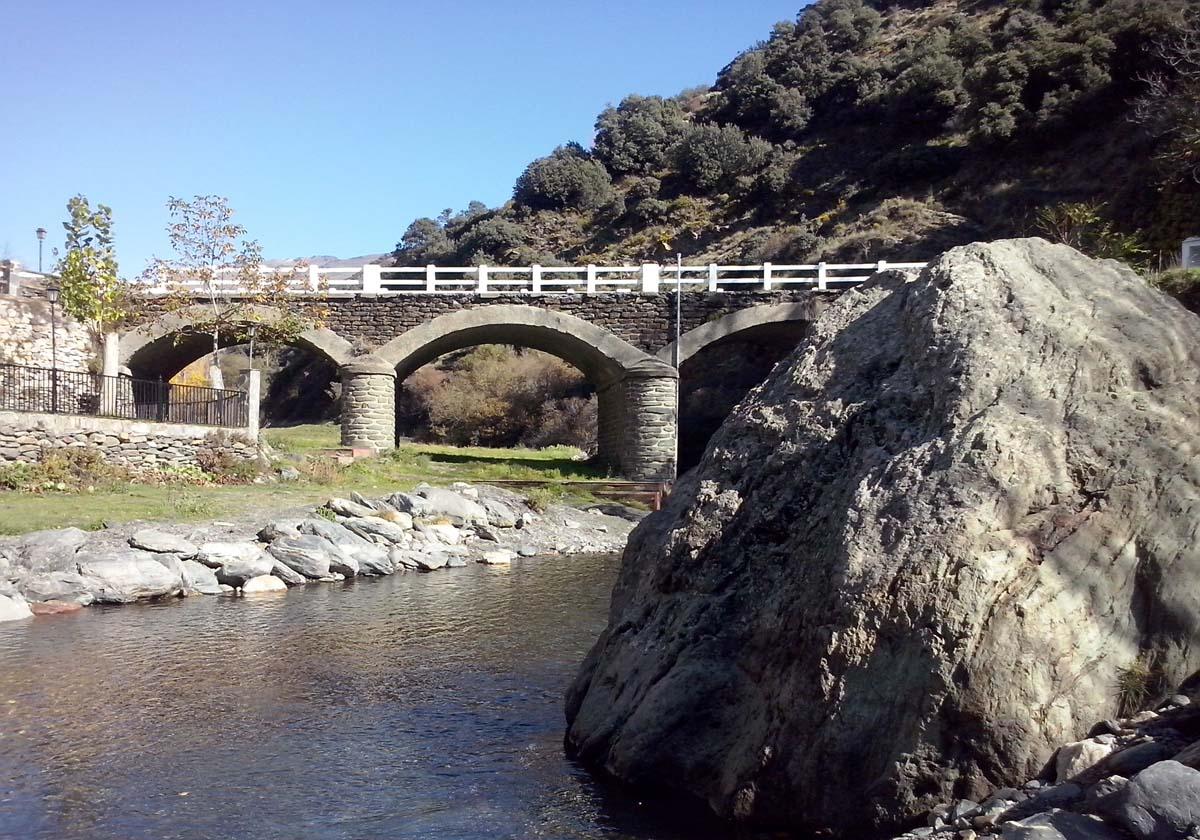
[(327, 261)]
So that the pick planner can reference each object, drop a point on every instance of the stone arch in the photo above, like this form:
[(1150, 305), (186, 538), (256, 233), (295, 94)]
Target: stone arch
[(720, 362), (773, 319), (635, 391), (600, 354), (162, 347)]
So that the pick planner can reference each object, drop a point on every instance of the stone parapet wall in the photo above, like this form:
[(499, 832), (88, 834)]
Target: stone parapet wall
[(25, 336), (647, 321), (135, 444)]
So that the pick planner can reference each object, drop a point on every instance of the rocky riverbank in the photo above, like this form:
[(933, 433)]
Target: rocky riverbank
[(428, 530), (1133, 777)]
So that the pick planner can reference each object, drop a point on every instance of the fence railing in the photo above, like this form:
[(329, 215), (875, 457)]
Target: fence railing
[(37, 389), (647, 278)]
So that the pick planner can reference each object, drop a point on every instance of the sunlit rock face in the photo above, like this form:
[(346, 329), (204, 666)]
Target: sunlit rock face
[(912, 562)]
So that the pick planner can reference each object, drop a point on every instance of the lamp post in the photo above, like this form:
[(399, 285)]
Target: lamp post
[(52, 296), (41, 235)]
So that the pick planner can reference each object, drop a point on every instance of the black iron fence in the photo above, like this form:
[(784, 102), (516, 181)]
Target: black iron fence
[(24, 388)]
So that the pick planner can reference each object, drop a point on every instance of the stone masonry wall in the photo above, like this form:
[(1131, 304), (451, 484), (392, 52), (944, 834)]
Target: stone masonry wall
[(25, 338), (645, 321), (138, 445)]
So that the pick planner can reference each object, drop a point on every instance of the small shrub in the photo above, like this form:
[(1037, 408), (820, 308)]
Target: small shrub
[(1084, 227), (567, 179), (541, 498), (323, 471), (712, 157), (225, 467), (325, 513), (1138, 683), (189, 503)]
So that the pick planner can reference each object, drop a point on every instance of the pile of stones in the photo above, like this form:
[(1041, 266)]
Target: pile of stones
[(1136, 777), (424, 531)]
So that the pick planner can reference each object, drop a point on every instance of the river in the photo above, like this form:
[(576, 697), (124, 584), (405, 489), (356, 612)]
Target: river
[(414, 706)]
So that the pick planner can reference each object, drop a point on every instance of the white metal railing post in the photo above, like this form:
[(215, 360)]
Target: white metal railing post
[(712, 277), (535, 279), (650, 275), (822, 277), (881, 265), (430, 279), (372, 279), (481, 273), (591, 279), (314, 278), (766, 277)]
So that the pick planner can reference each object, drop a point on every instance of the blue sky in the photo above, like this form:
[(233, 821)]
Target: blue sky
[(329, 126)]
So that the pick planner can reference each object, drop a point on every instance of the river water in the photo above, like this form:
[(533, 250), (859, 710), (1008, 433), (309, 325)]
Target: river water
[(414, 706)]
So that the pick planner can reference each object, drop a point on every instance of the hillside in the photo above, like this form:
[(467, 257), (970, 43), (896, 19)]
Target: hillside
[(870, 130)]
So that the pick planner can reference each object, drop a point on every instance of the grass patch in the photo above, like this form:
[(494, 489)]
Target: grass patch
[(40, 507)]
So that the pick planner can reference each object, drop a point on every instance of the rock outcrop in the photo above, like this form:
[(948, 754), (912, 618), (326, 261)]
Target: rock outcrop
[(913, 562)]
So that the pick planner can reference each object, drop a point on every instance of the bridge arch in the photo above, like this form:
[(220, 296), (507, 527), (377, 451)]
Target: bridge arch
[(635, 390), (166, 345), (720, 361), (780, 320)]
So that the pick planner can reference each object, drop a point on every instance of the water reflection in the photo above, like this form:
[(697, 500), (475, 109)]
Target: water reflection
[(414, 706)]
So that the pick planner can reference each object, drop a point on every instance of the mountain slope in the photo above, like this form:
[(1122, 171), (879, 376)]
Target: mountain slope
[(871, 130)]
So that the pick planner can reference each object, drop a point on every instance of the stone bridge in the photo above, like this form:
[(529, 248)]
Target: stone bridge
[(623, 342)]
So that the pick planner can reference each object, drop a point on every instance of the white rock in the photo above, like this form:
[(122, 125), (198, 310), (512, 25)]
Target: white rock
[(500, 557), (13, 608), (263, 583), (1072, 759)]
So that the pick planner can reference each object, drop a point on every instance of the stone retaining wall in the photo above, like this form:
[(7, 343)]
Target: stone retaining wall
[(136, 444), (25, 336)]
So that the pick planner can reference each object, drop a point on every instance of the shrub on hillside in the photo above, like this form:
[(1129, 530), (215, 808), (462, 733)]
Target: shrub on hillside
[(636, 137), (713, 157), (567, 179)]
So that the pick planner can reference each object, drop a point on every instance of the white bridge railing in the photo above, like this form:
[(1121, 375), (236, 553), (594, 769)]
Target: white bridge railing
[(648, 278)]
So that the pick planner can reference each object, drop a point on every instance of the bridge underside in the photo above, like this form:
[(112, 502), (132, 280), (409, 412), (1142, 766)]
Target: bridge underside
[(623, 348)]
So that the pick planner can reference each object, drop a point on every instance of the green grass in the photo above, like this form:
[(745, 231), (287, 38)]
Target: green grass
[(400, 469)]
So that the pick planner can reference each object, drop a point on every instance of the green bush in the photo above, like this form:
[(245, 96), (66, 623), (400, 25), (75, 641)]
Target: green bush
[(1084, 227), (636, 137), (567, 179), (712, 157)]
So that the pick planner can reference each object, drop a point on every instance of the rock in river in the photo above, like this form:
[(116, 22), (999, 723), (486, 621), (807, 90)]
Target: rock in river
[(306, 554), (161, 542), (914, 560), (123, 577), (235, 563), (14, 608)]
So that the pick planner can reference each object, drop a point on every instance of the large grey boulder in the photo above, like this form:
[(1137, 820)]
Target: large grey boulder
[(447, 504), (57, 586), (345, 507), (160, 542), (235, 562), (49, 551), (911, 563), (286, 573), (198, 578), (123, 577), (390, 532), (306, 554), (1160, 803), (373, 561), (333, 532), (1059, 825)]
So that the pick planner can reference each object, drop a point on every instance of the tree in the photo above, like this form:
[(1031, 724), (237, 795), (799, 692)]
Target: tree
[(212, 256), (1171, 106), (567, 179), (91, 290), (636, 137), (712, 157)]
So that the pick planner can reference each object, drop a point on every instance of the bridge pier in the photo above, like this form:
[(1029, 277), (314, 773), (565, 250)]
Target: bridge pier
[(636, 423), (369, 404)]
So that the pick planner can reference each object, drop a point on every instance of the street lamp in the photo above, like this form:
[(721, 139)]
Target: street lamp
[(52, 296), (41, 235)]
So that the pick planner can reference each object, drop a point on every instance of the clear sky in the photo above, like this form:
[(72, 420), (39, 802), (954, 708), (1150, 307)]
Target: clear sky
[(328, 125)]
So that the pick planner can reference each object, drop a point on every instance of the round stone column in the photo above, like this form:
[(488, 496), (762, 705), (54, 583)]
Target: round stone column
[(610, 425), (651, 428), (369, 404)]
